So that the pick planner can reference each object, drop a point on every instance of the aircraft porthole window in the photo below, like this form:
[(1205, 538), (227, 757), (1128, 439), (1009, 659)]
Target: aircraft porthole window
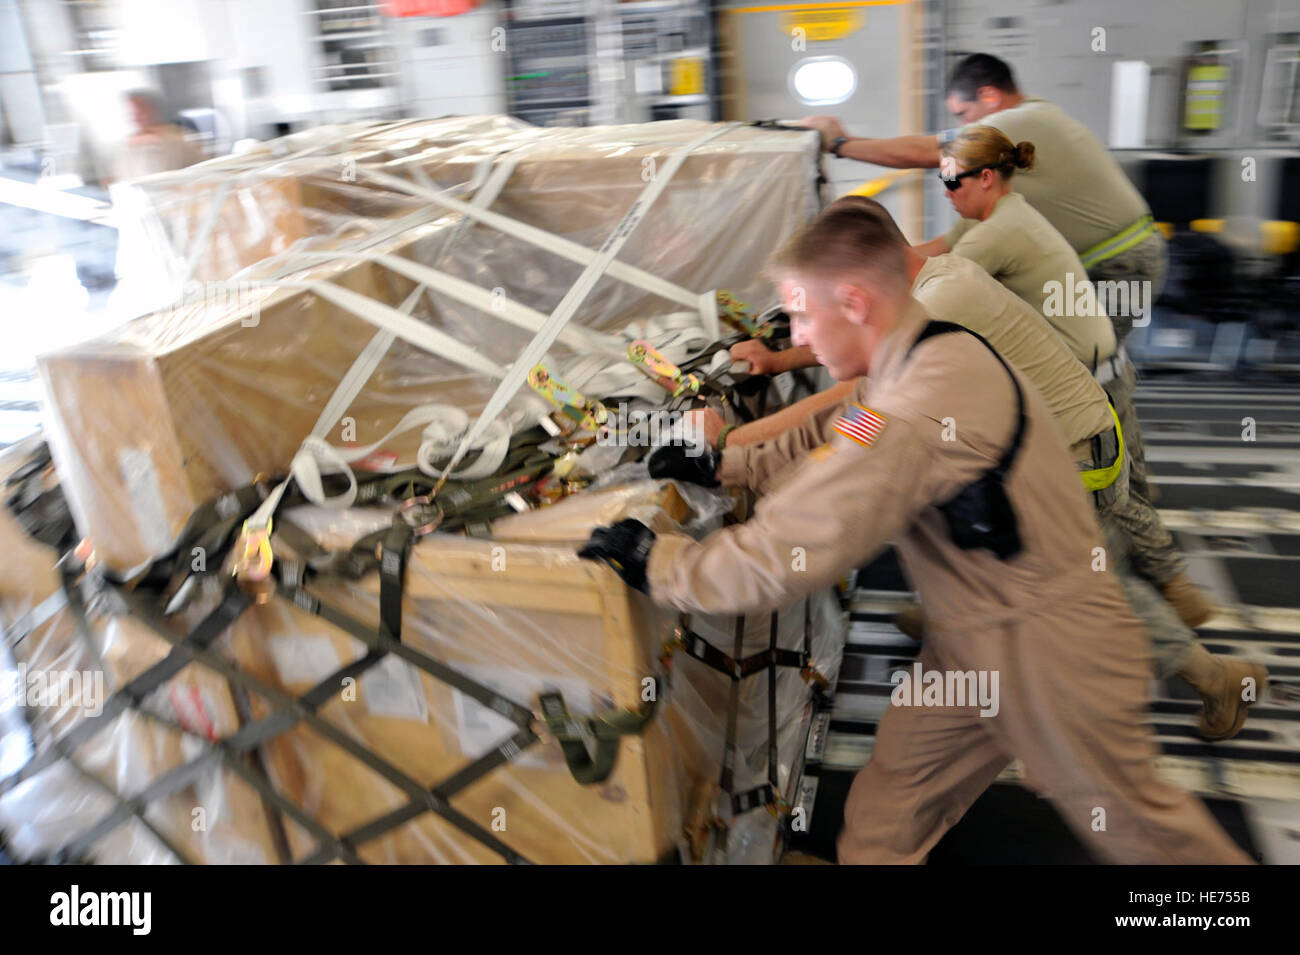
[(823, 80)]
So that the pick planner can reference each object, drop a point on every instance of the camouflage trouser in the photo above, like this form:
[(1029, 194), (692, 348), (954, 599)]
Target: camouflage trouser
[(1147, 261), (1154, 553), (1171, 639)]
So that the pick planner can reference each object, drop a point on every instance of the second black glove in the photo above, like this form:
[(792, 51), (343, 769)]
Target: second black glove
[(625, 546), (683, 463)]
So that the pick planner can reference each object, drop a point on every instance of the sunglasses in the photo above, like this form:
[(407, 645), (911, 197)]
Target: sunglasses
[(954, 183)]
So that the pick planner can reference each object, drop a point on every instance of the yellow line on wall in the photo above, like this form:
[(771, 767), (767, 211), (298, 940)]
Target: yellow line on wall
[(811, 7)]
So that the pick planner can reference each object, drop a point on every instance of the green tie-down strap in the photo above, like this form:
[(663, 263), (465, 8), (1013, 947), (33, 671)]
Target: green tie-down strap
[(590, 743)]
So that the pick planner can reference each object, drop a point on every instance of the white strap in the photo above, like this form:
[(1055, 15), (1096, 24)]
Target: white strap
[(362, 368), (579, 339), (543, 340), (678, 337), (314, 457), (366, 363), (403, 326), (502, 167), (316, 452), (438, 445), (444, 428), (566, 248), (204, 234)]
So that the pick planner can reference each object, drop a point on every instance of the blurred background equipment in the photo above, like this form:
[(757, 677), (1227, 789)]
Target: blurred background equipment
[(1199, 100)]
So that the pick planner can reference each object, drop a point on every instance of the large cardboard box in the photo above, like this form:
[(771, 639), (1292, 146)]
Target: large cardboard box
[(152, 420), (520, 616), (207, 222), (65, 676)]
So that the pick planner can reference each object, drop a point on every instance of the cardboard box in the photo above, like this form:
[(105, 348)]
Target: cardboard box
[(174, 408)]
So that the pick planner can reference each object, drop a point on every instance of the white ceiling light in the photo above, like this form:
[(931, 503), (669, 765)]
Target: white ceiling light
[(823, 80)]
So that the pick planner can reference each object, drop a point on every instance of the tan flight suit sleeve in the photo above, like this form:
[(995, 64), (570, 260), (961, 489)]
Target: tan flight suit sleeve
[(954, 235), (836, 511), (985, 245), (758, 466)]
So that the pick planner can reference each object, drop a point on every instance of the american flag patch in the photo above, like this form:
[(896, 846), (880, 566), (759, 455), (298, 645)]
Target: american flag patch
[(860, 424)]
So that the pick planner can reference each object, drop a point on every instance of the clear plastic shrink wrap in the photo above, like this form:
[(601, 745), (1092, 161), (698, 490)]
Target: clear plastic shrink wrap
[(542, 620), (58, 676), (226, 384), (150, 423)]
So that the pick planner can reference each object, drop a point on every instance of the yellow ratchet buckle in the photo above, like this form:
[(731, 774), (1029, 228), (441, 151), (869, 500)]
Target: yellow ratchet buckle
[(660, 370), (732, 311), (588, 415), (253, 561)]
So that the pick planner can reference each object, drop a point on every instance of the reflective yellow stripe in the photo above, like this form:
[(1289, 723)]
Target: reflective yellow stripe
[(1098, 479), (874, 187), (1279, 238), (807, 7), (1116, 244)]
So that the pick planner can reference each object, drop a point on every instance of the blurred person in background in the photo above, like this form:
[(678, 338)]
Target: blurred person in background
[(154, 145)]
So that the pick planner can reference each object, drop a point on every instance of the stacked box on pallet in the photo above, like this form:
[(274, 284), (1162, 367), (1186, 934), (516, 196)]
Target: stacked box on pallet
[(206, 222), (209, 394), (520, 616), (64, 676), (177, 407), (523, 617)]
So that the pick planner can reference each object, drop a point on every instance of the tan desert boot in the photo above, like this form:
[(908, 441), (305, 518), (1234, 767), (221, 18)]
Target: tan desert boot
[(1222, 683)]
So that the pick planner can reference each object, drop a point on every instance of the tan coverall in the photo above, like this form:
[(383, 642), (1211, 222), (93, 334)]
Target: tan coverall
[(1019, 248), (1073, 662), (955, 289)]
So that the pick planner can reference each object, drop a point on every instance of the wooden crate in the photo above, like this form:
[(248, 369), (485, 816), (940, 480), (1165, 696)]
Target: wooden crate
[(144, 435), (527, 615), (540, 618)]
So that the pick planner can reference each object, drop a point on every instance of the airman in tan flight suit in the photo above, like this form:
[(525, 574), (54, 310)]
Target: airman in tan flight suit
[(952, 288), (1073, 662)]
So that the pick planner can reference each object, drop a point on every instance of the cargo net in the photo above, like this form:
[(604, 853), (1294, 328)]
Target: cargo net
[(88, 599), (504, 402)]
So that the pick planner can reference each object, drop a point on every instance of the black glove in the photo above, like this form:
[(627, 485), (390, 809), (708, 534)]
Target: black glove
[(682, 463), (625, 546)]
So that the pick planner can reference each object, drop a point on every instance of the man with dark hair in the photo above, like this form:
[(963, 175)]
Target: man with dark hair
[(1076, 184), (950, 453), (978, 71)]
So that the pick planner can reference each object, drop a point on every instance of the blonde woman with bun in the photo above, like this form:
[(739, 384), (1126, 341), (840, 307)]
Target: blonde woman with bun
[(1013, 242), (1077, 184), (1010, 239)]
